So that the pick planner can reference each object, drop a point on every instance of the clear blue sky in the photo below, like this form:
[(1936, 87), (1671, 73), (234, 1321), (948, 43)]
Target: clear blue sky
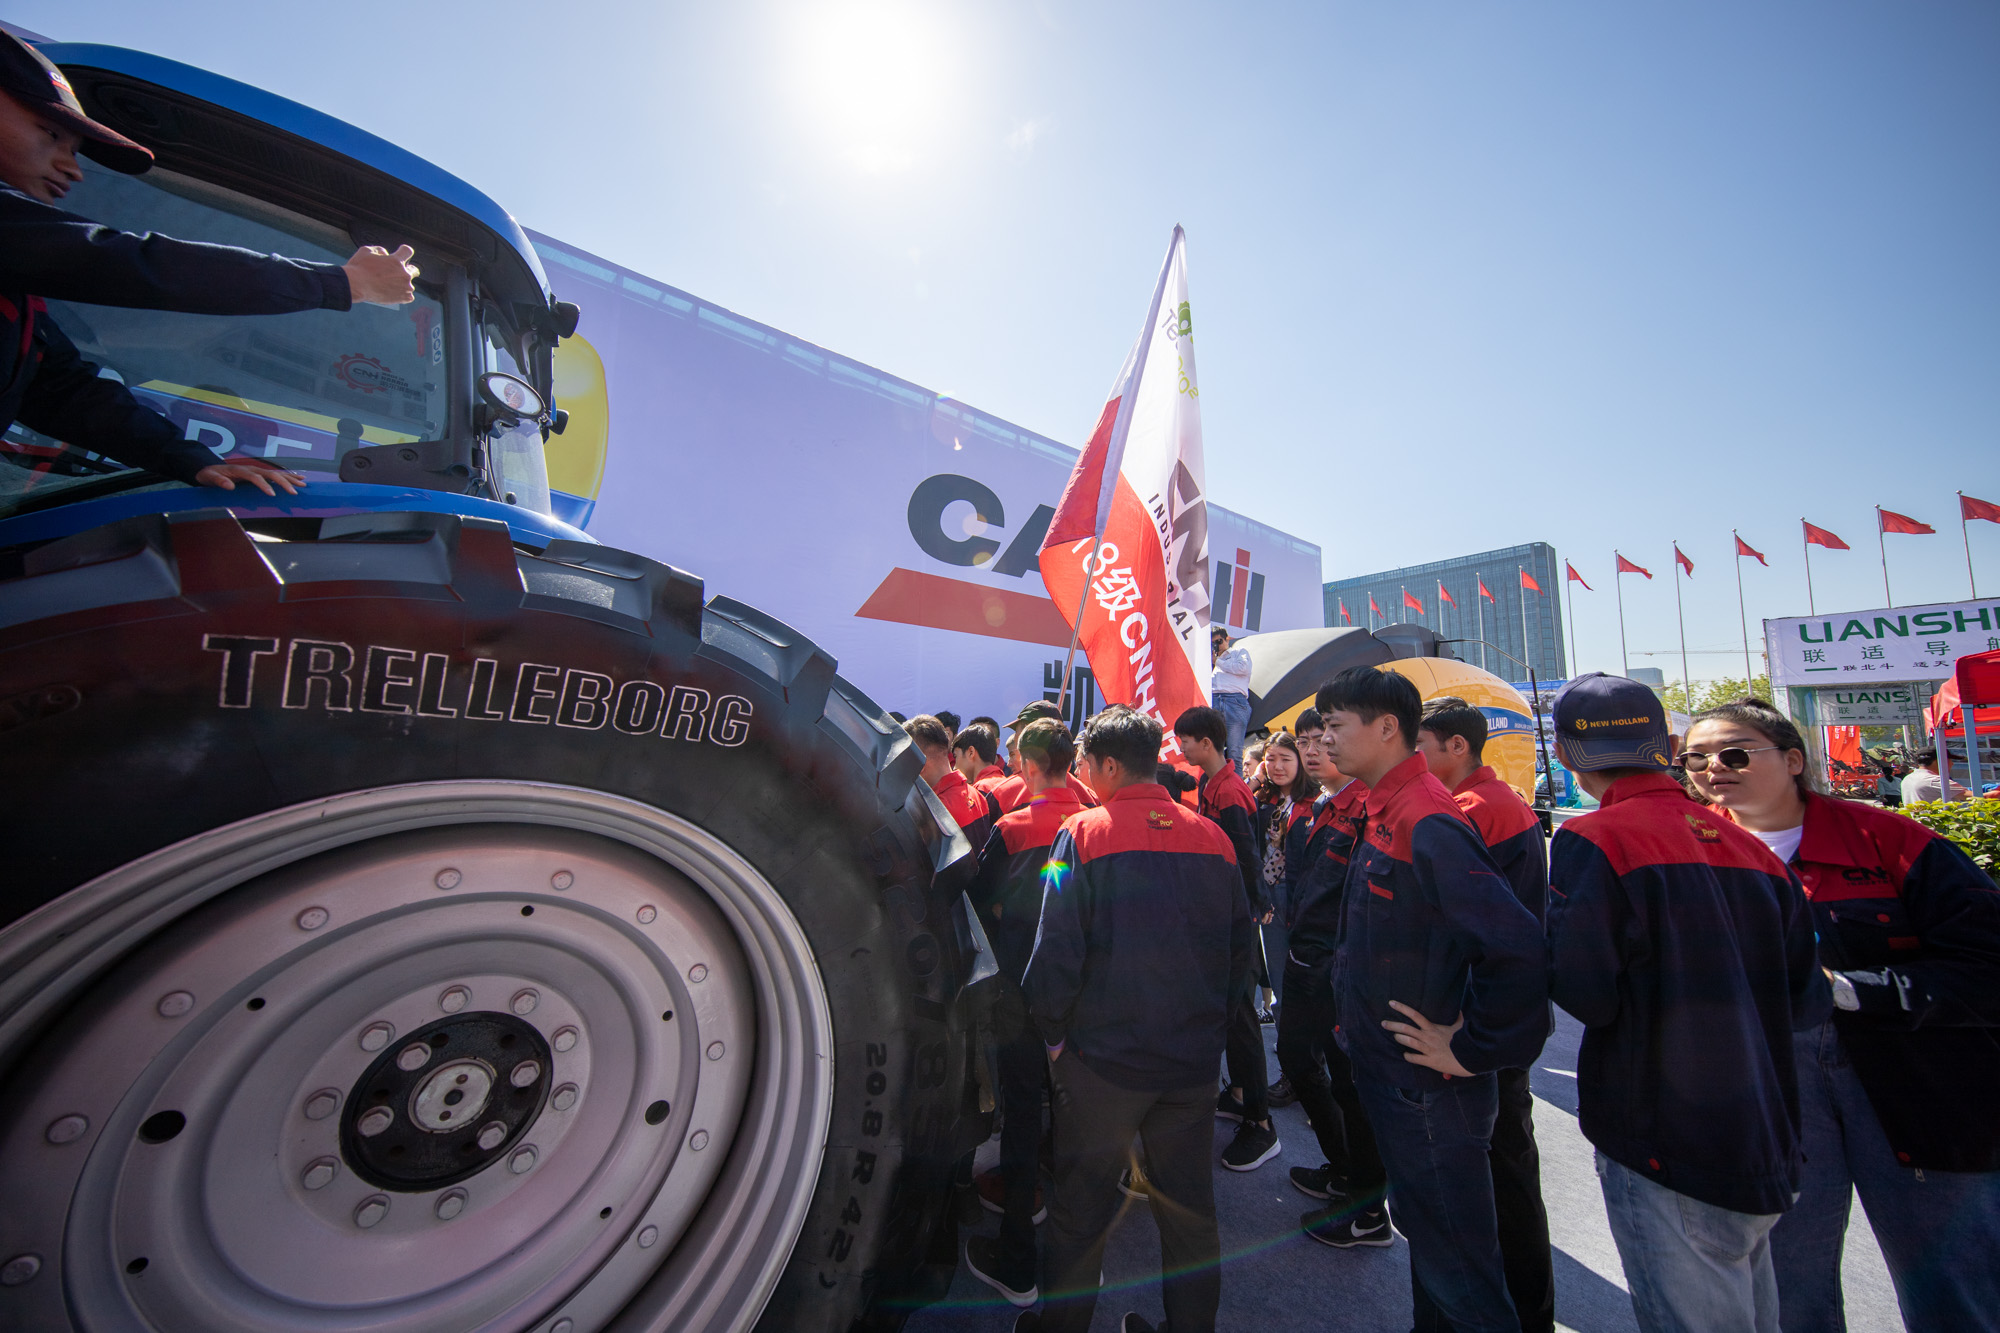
[(1464, 274)]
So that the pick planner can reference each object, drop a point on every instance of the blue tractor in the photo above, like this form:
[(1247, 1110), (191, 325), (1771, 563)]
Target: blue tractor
[(416, 915)]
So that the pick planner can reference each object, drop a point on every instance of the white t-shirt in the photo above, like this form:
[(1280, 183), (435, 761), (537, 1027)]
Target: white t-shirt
[(1784, 844), (1232, 672), (1926, 786)]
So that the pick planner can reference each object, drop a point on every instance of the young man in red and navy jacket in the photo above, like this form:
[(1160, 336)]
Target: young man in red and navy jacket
[(965, 804), (1452, 740), (1440, 981), (1686, 949), (1145, 936), (1225, 798), (1011, 793), (1008, 897)]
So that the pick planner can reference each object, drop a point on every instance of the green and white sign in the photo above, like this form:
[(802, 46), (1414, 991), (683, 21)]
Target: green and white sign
[(1857, 648), (1883, 706)]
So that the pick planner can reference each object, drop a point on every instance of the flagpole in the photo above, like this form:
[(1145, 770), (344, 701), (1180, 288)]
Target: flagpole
[(1811, 608), (1687, 681), (1618, 582), (1882, 545), (1479, 600), (1965, 531), (1521, 588), (1569, 598), (1743, 619)]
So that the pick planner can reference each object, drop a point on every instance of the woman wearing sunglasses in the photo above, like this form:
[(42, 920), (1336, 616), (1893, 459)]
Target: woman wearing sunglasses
[(1899, 1093)]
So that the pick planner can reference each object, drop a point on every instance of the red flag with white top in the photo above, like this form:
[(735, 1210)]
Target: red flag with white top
[(1126, 555)]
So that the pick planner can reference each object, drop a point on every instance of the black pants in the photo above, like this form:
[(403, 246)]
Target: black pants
[(1095, 1122), (1524, 1223), (1324, 1081), (1023, 1071), (1245, 1049)]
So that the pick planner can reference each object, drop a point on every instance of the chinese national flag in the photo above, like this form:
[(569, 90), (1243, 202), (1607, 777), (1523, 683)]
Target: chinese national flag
[(1374, 608), (1818, 536), (1744, 548), (1487, 592), (1683, 561), (1627, 567), (1410, 600), (1971, 508), (1575, 577), (1528, 581), (1345, 619), (1444, 595), (1894, 522)]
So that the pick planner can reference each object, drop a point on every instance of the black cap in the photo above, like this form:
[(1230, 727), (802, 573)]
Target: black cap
[(1610, 722), (27, 74)]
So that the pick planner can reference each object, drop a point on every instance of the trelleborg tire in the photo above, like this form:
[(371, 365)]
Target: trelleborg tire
[(406, 931)]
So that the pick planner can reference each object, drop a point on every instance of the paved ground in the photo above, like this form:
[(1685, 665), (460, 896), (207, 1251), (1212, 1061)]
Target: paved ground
[(1275, 1281)]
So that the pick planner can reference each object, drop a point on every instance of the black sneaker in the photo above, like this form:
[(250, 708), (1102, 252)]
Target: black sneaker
[(1344, 1228), (1282, 1094), (1133, 1323), (1228, 1106), (1321, 1182), (1253, 1146), (988, 1262), (1133, 1183)]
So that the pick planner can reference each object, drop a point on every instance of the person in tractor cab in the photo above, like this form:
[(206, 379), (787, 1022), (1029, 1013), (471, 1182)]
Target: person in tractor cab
[(48, 254)]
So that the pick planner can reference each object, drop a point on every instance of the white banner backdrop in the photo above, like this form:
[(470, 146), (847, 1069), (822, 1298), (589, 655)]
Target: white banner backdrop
[(897, 528), (1854, 648)]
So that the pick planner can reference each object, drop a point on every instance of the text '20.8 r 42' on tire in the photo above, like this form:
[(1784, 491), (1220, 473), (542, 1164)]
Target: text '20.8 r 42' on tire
[(407, 931)]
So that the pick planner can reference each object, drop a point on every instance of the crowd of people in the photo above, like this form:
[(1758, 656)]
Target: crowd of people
[(1786, 998)]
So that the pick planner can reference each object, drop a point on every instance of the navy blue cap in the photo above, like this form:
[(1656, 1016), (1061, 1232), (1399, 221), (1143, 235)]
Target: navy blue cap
[(27, 75), (1610, 722)]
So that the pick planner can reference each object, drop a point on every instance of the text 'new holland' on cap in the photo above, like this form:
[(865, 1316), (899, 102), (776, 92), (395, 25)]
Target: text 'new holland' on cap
[(1610, 722)]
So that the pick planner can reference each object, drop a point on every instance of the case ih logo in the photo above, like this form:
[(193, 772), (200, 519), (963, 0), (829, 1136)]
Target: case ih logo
[(338, 678), (1239, 594)]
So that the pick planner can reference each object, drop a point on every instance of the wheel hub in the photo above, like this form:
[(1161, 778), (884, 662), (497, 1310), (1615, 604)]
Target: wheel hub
[(446, 1102)]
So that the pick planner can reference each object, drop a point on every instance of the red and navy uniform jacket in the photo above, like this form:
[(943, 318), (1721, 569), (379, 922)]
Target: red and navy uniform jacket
[(972, 808), (1313, 924), (987, 776), (1513, 833), (1012, 793), (1686, 951), (47, 254), (1145, 935), (1226, 799), (1008, 892), (1430, 921), (1906, 916)]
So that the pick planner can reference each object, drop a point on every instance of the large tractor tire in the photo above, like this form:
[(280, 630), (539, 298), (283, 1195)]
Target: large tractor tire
[(404, 931)]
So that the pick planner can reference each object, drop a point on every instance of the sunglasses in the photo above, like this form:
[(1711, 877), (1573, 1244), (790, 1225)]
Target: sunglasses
[(1735, 757)]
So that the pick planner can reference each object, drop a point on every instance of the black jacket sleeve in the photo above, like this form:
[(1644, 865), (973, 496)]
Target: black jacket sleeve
[(990, 885), (1955, 980), (1235, 821), (62, 257), (67, 400)]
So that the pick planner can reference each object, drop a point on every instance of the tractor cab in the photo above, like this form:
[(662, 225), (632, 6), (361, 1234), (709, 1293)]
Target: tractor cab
[(451, 395)]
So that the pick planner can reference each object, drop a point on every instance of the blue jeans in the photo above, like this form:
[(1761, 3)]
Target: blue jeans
[(1692, 1267), (1939, 1230), (1434, 1145), (1235, 710)]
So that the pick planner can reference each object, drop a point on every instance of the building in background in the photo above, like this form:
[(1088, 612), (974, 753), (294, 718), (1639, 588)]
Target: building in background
[(1463, 613)]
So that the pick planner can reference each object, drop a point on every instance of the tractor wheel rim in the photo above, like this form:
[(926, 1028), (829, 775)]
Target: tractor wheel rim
[(630, 1009)]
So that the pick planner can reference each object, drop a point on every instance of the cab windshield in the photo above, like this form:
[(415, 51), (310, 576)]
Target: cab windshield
[(299, 389)]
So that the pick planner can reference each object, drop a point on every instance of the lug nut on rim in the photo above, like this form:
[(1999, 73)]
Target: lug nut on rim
[(450, 1204), (491, 1135), (522, 1162), (319, 1173), (373, 1121), (377, 1035), (322, 1104), (525, 1074), (564, 1097), (313, 918), (564, 1039), (21, 1268), (454, 998), (371, 1210), (414, 1056), (448, 878), (524, 1001)]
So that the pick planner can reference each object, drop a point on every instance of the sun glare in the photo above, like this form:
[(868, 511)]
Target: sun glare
[(873, 81)]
